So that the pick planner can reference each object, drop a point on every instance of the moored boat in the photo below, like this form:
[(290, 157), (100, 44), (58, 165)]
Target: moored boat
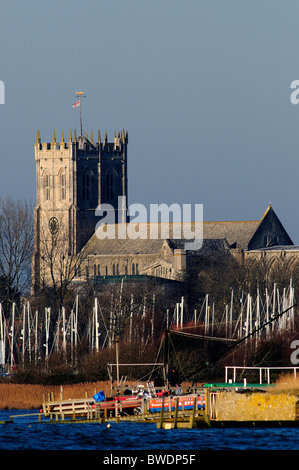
[(185, 402)]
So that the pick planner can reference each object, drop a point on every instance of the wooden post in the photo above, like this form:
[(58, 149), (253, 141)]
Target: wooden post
[(192, 417), (176, 409), (117, 415), (207, 407), (117, 360), (162, 414)]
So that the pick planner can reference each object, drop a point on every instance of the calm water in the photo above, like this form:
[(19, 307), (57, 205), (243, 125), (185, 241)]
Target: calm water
[(27, 434)]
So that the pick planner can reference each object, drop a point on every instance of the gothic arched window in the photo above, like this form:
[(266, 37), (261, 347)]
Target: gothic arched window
[(47, 185), (63, 185), (86, 185), (110, 185)]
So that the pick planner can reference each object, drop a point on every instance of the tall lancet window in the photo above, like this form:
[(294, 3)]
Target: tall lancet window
[(47, 185), (63, 185), (110, 185), (86, 185)]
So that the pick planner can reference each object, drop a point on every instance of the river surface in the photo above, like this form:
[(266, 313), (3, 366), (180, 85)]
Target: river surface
[(26, 433)]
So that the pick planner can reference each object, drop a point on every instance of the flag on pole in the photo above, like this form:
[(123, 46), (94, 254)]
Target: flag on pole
[(76, 105)]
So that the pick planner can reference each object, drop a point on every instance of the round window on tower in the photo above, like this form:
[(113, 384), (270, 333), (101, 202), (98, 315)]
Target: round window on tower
[(53, 225)]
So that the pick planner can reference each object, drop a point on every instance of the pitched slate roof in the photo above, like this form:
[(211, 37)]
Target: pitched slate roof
[(122, 247), (241, 234), (237, 234), (232, 232)]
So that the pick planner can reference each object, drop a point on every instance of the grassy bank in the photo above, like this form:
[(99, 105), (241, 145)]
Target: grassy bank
[(21, 396)]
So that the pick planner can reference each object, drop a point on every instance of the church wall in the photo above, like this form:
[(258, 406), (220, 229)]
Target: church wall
[(287, 256), (128, 264)]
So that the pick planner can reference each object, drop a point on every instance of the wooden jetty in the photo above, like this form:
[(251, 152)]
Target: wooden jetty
[(86, 410), (213, 405), (167, 411)]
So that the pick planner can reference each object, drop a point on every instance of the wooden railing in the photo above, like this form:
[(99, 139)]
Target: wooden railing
[(76, 407)]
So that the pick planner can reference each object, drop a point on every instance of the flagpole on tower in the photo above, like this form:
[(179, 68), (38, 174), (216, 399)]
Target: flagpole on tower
[(78, 104)]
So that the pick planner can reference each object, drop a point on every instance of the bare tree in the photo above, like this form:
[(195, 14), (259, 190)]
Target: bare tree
[(60, 262), (16, 247)]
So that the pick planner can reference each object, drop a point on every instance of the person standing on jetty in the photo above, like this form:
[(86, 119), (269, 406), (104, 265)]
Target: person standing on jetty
[(173, 377)]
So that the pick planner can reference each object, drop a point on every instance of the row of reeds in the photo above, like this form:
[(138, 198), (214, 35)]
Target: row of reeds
[(23, 396), (287, 383)]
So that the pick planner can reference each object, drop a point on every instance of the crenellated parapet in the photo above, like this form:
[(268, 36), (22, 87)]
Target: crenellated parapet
[(82, 145)]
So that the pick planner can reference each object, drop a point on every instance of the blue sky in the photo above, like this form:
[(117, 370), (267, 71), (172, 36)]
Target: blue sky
[(203, 88)]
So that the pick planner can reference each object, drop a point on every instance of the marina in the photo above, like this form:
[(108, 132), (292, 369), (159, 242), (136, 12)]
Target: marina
[(175, 405), (211, 405), (31, 336)]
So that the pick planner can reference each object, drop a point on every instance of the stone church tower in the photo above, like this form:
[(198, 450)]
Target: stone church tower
[(72, 178)]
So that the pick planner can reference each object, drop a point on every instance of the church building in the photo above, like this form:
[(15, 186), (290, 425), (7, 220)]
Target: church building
[(75, 176)]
